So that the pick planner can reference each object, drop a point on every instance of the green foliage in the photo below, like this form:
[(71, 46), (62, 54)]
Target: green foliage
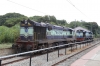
[(36, 18), (53, 19), (52, 23), (10, 19), (74, 24), (62, 22), (13, 21), (45, 18), (2, 20), (9, 34)]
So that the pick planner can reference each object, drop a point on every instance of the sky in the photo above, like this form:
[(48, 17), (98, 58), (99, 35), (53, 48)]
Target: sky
[(69, 10)]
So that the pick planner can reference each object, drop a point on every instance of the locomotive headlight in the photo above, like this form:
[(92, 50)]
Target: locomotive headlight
[(26, 34)]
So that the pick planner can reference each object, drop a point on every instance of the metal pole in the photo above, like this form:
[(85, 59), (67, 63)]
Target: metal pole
[(47, 55), (65, 50), (76, 46), (47, 52), (30, 59), (0, 62), (71, 47), (58, 51)]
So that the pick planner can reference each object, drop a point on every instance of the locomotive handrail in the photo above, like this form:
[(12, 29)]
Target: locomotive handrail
[(29, 52)]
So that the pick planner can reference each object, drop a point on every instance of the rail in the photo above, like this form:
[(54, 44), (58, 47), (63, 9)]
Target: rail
[(34, 51)]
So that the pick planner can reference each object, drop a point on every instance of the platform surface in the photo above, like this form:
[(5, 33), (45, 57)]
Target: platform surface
[(92, 58)]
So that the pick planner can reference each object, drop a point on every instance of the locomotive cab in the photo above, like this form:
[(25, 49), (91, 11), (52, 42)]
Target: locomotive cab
[(25, 40), (31, 33), (80, 35), (26, 31)]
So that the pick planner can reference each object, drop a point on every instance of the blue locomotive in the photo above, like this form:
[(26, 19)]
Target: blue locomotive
[(34, 35), (83, 34)]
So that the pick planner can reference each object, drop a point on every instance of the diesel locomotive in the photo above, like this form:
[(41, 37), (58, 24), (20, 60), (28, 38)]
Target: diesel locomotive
[(83, 34), (35, 35)]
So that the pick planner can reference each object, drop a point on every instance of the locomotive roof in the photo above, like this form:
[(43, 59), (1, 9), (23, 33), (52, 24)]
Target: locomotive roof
[(67, 28), (58, 27), (70, 28), (34, 23), (42, 24), (81, 29)]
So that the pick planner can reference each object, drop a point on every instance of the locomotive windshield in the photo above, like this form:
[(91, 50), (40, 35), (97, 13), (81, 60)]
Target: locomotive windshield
[(26, 33), (79, 34)]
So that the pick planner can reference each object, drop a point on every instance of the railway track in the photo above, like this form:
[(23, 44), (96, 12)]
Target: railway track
[(75, 54), (16, 59), (12, 60), (9, 61)]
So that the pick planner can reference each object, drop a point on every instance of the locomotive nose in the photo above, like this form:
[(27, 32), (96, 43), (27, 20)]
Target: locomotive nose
[(26, 33)]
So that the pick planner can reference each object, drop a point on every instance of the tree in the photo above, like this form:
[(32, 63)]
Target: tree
[(36, 18), (62, 22), (13, 21), (5, 19), (53, 19), (2, 20)]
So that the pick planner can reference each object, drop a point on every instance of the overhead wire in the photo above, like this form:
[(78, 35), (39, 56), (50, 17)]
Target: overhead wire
[(79, 10), (75, 7), (44, 12), (26, 7)]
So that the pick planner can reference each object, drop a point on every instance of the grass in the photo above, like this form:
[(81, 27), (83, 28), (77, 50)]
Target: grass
[(8, 36), (5, 45)]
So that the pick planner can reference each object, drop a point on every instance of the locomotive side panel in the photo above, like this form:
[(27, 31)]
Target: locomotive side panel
[(39, 33)]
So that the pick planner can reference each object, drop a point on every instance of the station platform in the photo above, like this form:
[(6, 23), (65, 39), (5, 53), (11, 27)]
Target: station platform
[(92, 58)]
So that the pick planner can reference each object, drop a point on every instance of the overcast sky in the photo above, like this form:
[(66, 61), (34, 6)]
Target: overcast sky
[(61, 9)]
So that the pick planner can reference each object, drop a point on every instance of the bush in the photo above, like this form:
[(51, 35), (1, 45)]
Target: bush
[(9, 34)]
